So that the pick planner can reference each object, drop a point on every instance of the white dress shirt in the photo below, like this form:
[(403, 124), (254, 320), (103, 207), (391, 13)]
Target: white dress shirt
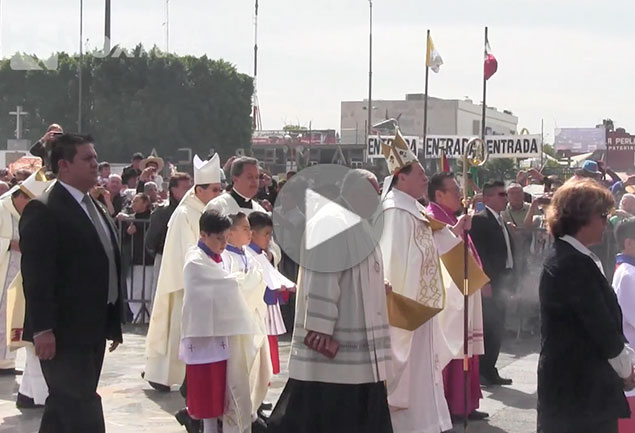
[(79, 197), (622, 363), (509, 263)]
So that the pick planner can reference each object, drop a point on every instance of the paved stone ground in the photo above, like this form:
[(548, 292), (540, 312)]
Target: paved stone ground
[(131, 406)]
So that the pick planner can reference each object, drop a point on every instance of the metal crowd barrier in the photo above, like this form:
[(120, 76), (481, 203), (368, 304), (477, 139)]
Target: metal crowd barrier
[(138, 300)]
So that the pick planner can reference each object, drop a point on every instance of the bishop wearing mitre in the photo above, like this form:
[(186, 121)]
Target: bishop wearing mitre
[(424, 309), (163, 367)]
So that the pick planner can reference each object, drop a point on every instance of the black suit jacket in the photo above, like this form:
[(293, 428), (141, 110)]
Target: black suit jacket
[(581, 331), (489, 241), (158, 228), (65, 272)]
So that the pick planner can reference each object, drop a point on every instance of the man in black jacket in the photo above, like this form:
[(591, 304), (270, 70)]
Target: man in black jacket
[(179, 184), (71, 271), (493, 242)]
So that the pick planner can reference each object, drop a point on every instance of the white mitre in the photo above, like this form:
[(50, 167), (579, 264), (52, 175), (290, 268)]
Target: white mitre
[(206, 172), (398, 155), (33, 186)]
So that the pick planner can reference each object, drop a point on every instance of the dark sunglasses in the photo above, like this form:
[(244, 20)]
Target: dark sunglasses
[(502, 194)]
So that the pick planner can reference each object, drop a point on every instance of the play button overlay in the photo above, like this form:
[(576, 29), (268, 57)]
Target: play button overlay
[(314, 201), (327, 218)]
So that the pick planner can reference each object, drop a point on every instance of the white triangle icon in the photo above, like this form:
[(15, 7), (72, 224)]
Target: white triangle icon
[(319, 233)]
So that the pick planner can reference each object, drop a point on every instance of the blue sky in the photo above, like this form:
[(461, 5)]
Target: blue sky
[(567, 62)]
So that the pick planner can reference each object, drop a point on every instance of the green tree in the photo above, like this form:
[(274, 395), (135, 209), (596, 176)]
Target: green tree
[(549, 150), (498, 169), (136, 101)]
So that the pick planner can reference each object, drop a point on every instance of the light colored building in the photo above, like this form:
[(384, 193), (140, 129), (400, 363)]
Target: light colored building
[(445, 117)]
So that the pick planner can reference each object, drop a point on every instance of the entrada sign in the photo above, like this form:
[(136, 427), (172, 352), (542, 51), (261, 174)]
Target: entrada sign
[(499, 146)]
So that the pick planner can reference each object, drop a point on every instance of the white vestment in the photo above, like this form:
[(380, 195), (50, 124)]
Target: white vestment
[(9, 267), (275, 281), (253, 289), (164, 334), (624, 286), (227, 205), (453, 317), (261, 369), (412, 265), (32, 384), (219, 304)]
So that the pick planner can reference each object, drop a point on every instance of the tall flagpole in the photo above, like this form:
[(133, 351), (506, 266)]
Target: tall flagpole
[(484, 90), (425, 96)]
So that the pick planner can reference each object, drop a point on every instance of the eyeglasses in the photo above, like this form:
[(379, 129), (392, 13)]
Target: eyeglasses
[(502, 194)]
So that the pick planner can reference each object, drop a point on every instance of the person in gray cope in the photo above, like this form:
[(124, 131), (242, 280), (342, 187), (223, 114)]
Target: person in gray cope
[(339, 390)]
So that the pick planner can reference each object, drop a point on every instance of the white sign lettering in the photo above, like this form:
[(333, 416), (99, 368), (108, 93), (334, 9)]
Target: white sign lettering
[(498, 146)]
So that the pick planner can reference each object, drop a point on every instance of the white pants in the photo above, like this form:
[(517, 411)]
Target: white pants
[(210, 425), (136, 285), (33, 384)]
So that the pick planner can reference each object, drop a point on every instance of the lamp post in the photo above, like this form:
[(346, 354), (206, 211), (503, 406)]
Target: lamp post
[(370, 66), (1, 47), (167, 26), (81, 59), (107, 29)]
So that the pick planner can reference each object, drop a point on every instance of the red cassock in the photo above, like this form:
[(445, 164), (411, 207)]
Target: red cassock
[(275, 353), (206, 389)]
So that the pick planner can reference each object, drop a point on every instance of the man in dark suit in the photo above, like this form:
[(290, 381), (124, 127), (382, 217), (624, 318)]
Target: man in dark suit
[(71, 272), (493, 242)]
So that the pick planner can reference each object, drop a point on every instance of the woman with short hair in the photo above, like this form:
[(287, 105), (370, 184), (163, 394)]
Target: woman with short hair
[(585, 363)]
